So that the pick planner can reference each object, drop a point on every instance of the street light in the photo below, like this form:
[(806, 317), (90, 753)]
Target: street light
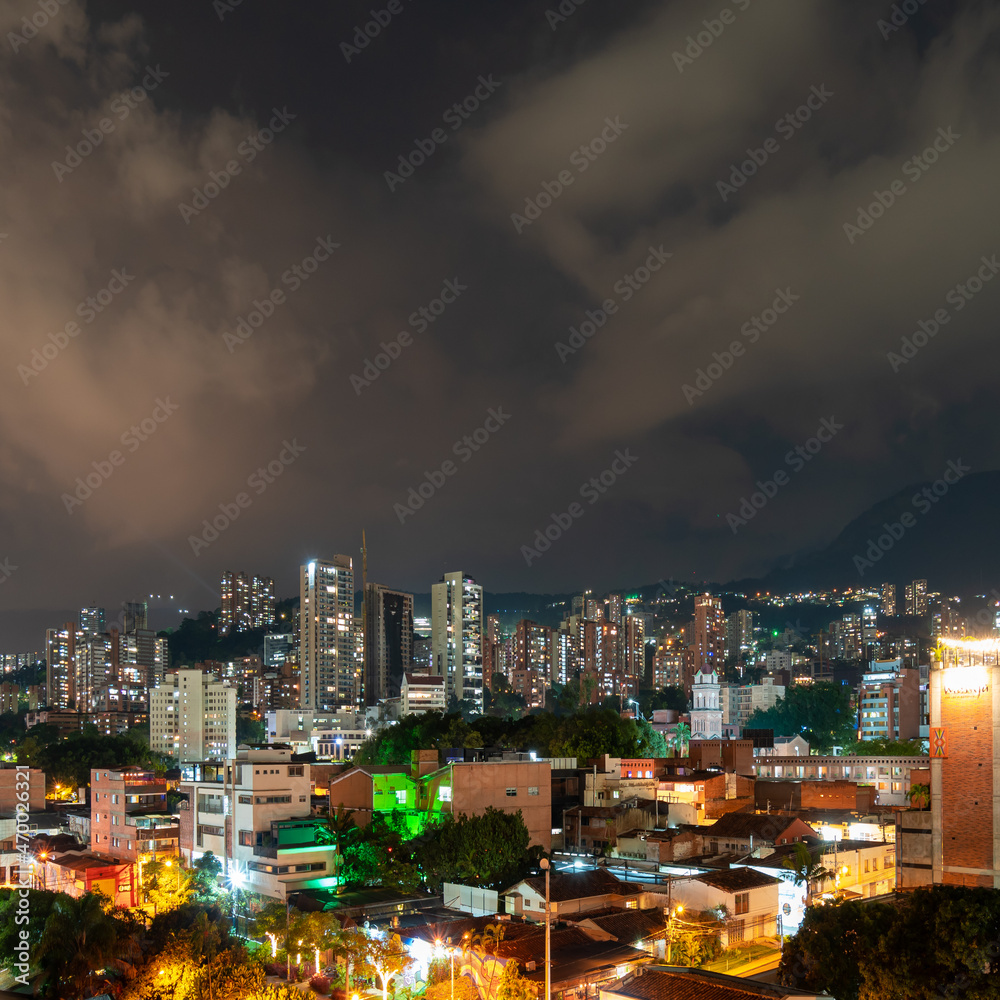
[(638, 711), (678, 909), (548, 938)]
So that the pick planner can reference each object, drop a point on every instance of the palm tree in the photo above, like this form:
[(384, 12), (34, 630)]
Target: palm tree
[(79, 942), (681, 737), (806, 869), (486, 942), (919, 797)]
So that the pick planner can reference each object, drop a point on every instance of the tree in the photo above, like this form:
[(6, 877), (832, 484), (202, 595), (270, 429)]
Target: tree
[(40, 904), (205, 874), (919, 796), (513, 986), (387, 958), (887, 748), (806, 869), (79, 939), (680, 739), (820, 712), (490, 850), (695, 938)]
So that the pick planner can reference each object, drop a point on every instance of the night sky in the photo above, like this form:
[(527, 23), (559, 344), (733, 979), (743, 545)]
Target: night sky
[(606, 165)]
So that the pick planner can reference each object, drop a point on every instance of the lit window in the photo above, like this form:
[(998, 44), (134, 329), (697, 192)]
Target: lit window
[(444, 793)]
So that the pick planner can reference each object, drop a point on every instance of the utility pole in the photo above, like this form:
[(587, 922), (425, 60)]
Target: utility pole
[(288, 941), (548, 937)]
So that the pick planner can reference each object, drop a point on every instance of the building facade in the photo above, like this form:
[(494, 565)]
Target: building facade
[(192, 716), (129, 820), (388, 641), (457, 637), (329, 671)]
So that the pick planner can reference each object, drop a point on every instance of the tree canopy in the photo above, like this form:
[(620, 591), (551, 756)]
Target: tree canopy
[(820, 712)]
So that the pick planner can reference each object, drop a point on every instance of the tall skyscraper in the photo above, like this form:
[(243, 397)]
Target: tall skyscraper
[(457, 636), (61, 672), (492, 659), (135, 615), (92, 620), (388, 641), (248, 602), (915, 595), (739, 633), (326, 625), (888, 604), (708, 648)]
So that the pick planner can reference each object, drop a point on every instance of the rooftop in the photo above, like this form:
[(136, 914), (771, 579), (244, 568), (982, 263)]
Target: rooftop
[(765, 827), (671, 983), (736, 879)]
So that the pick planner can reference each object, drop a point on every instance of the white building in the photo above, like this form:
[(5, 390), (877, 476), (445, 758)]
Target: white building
[(422, 693), (329, 734), (751, 899), (258, 803), (192, 716), (777, 659), (329, 667), (457, 636), (706, 707)]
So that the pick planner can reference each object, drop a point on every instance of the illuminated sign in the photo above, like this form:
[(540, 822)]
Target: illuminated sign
[(972, 681)]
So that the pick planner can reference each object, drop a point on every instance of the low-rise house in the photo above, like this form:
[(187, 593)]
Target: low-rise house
[(747, 833), (750, 900), (651, 982)]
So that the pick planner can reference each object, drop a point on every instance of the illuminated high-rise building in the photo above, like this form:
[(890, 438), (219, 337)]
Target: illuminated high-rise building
[(888, 599), (533, 648), (388, 641), (92, 620), (247, 602), (457, 636), (327, 646), (739, 633), (707, 650), (61, 671), (915, 597)]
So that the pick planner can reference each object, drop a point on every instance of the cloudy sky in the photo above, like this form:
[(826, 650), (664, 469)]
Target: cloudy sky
[(605, 165)]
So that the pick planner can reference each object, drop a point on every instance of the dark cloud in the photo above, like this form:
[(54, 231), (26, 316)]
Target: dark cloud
[(654, 185)]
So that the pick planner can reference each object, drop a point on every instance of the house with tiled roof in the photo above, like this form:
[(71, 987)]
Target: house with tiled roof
[(671, 983), (748, 833), (750, 899), (570, 892)]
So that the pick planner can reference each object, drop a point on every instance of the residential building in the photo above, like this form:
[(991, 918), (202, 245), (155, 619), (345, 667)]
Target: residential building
[(92, 620), (421, 693), (61, 673), (388, 641), (707, 651), (965, 763), (668, 662), (750, 898), (889, 702), (457, 637), (652, 983), (573, 893), (328, 734), (129, 820), (135, 616), (10, 776), (533, 648), (743, 833), (248, 602), (423, 791), (887, 604), (947, 621), (739, 634), (329, 679), (77, 872), (915, 597), (192, 716), (279, 648), (253, 813), (891, 777)]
